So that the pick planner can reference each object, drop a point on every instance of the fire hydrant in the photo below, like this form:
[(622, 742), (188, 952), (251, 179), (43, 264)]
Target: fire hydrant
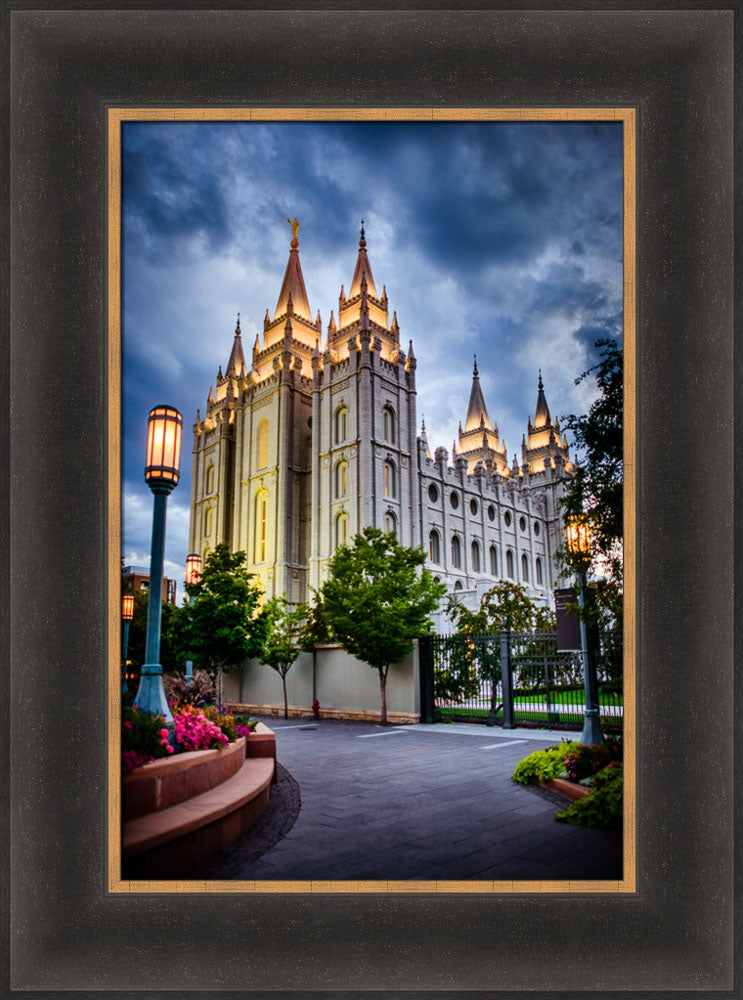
[(316, 709)]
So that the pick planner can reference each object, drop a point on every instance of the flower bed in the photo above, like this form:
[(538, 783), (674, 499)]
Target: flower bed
[(590, 775), (146, 737)]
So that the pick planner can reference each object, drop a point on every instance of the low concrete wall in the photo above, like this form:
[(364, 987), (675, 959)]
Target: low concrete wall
[(344, 686)]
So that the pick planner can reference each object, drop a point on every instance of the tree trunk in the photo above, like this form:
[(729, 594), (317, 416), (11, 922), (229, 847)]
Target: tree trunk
[(286, 703), (383, 695), (219, 690)]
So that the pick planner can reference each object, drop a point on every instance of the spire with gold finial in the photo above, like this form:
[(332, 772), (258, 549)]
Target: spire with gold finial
[(293, 285)]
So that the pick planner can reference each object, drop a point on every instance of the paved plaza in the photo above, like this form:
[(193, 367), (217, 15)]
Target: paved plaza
[(412, 802)]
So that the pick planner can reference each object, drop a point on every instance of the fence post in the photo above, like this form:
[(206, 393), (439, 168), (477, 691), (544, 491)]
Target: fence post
[(506, 678), (425, 676)]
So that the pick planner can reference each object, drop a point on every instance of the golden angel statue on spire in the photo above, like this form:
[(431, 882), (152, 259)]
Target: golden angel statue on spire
[(294, 223)]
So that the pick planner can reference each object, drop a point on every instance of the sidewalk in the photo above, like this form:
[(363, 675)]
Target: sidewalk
[(419, 802)]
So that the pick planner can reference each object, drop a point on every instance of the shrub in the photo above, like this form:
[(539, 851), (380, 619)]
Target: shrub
[(585, 762), (201, 691), (194, 731), (144, 737), (543, 765), (603, 806)]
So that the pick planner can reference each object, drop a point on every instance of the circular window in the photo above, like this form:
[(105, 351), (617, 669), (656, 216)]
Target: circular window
[(536, 527), (454, 501), (437, 579), (507, 518), (491, 512), (522, 523), (433, 493), (473, 506)]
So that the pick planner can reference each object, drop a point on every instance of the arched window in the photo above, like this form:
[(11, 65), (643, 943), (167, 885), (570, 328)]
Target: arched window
[(458, 585), (390, 523), (341, 530), (204, 554), (209, 480), (493, 561), (525, 568), (261, 449), (456, 552), (509, 564), (341, 479), (434, 547), (539, 572), (208, 521), (261, 511), (475, 557), (341, 415), (390, 428), (390, 479)]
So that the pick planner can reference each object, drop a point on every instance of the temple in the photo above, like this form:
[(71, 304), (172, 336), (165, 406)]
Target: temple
[(319, 438)]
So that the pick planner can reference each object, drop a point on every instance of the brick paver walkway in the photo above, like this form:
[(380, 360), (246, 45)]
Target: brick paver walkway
[(414, 802)]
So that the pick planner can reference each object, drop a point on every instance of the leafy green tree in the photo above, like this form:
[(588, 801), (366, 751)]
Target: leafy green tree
[(377, 601), (506, 605), (284, 638), (504, 602), (595, 489), (138, 633), (224, 626)]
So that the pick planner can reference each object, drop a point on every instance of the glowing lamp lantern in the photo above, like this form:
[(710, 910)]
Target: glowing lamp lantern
[(578, 532), (193, 575), (193, 568), (127, 613), (164, 431), (161, 473), (579, 539)]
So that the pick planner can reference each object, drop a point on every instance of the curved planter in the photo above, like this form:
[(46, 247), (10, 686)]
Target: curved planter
[(180, 810), (567, 788)]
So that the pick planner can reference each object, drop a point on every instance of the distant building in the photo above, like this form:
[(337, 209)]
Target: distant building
[(134, 578), (319, 438)]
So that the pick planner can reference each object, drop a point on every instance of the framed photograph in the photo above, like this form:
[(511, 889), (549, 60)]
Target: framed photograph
[(79, 80)]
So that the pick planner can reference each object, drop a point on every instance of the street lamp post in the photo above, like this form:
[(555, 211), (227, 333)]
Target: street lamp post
[(579, 547), (161, 473), (127, 613), (193, 575)]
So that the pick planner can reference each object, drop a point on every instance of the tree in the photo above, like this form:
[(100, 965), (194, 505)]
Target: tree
[(504, 602), (284, 638), (595, 490), (223, 627), (505, 605), (138, 633), (377, 601)]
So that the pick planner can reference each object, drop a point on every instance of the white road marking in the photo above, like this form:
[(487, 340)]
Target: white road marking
[(495, 746), (370, 736)]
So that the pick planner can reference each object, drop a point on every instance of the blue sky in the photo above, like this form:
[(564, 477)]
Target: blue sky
[(493, 238)]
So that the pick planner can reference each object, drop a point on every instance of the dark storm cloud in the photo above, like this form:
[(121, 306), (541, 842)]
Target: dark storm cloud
[(502, 239)]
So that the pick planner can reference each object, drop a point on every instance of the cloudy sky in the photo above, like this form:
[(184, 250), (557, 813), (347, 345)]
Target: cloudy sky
[(496, 239)]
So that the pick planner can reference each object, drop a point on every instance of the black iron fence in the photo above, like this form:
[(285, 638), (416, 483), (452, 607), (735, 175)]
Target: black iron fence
[(518, 679)]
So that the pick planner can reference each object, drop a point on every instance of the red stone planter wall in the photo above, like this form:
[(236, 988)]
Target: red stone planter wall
[(181, 809), (567, 788)]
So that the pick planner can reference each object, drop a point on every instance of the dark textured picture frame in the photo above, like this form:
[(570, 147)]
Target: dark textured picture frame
[(67, 933)]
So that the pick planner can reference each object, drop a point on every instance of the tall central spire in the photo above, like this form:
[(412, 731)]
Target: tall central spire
[(363, 270), (293, 284), (477, 412)]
